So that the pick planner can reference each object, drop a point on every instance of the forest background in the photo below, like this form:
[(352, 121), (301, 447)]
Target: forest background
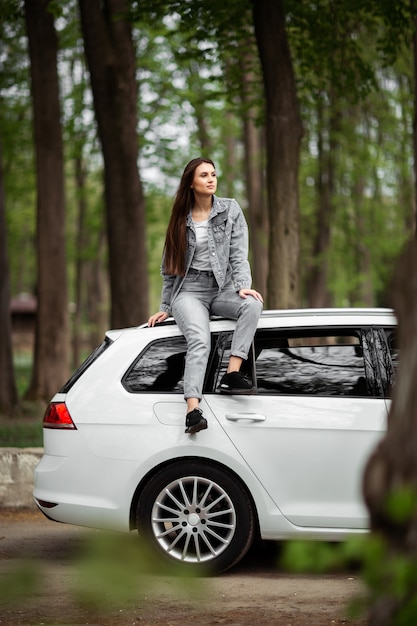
[(306, 107)]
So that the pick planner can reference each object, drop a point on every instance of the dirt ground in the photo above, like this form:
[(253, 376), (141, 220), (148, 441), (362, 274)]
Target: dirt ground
[(44, 579)]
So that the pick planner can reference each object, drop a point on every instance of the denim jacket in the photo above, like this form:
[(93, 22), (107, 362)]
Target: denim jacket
[(228, 250)]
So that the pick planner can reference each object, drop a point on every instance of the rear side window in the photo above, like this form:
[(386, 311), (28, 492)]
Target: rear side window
[(86, 364), (159, 368)]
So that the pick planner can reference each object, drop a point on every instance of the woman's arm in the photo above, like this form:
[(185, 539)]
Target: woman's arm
[(239, 249)]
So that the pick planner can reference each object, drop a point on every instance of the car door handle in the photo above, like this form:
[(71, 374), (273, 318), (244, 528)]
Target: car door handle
[(248, 417)]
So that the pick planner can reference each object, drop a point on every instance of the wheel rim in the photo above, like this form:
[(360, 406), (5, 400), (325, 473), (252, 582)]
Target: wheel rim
[(193, 519)]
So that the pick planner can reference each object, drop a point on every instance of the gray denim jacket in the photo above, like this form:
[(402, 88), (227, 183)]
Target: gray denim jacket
[(228, 249)]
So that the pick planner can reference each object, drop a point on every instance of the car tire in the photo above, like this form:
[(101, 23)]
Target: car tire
[(197, 515)]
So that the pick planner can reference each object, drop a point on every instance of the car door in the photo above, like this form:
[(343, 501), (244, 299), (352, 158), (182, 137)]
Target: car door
[(317, 414)]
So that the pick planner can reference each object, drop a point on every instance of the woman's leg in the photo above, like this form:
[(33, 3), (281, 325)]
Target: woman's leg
[(192, 317), (246, 311), (191, 312)]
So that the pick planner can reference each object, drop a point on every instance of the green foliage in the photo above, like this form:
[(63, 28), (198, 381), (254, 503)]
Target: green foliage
[(370, 209), (10, 10), (393, 576), (19, 583), (401, 504), (23, 371), (112, 572), (158, 209), (190, 76), (337, 43), (312, 557), (24, 429), (17, 153), (116, 570), (388, 571)]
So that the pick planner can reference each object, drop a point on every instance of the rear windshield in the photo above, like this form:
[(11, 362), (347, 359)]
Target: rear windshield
[(84, 366)]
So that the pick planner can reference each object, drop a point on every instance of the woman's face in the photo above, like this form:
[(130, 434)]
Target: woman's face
[(205, 180)]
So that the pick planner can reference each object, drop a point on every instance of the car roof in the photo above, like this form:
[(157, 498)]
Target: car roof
[(328, 317), (293, 318)]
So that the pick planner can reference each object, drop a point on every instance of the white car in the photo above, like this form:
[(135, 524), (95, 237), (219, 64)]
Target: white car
[(285, 463)]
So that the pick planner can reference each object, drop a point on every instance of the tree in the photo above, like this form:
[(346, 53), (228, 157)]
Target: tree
[(8, 390), (254, 144), (413, 5), (9, 401), (317, 277), (51, 359), (88, 252), (17, 150), (390, 479), (112, 64), (283, 137), (350, 98)]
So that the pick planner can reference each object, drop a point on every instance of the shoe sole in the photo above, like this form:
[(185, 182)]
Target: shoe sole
[(195, 428), (238, 392)]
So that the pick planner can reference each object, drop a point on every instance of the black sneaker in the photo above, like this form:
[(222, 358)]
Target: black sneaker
[(195, 421), (237, 384)]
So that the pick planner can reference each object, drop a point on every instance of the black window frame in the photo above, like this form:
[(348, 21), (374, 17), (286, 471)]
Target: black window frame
[(385, 336), (371, 339), (364, 334)]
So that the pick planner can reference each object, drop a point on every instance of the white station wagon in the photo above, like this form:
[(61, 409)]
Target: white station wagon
[(284, 463)]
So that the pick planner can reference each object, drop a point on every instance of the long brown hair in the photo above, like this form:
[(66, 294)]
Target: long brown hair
[(176, 237)]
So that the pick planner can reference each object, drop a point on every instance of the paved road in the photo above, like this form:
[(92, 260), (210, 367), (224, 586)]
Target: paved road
[(58, 574)]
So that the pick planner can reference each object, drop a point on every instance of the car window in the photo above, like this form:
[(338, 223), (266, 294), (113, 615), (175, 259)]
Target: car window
[(308, 363), (95, 354), (160, 367)]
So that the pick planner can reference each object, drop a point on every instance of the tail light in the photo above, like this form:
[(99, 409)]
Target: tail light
[(58, 416)]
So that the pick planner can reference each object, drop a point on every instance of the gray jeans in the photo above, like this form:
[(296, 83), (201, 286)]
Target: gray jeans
[(198, 299)]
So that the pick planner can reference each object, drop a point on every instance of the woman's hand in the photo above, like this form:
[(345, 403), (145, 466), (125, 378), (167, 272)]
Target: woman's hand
[(244, 293), (161, 316)]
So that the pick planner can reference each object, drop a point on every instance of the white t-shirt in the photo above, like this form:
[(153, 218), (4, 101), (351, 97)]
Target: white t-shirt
[(201, 259)]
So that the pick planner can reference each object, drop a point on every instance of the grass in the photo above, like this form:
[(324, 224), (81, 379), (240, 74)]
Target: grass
[(19, 433), (23, 430)]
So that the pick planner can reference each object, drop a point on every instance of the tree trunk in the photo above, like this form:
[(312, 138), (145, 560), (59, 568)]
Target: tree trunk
[(317, 278), (198, 102), (97, 294), (81, 244), (8, 391), (51, 359), (258, 215), (392, 468), (254, 174), (364, 292), (283, 137), (413, 5), (111, 59)]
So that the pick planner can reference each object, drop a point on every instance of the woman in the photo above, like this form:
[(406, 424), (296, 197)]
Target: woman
[(206, 272)]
